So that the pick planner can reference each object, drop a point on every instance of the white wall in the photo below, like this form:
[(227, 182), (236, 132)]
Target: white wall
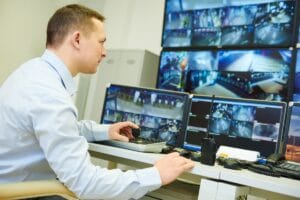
[(133, 24)]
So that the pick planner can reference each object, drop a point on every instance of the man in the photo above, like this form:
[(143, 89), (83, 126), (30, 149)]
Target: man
[(40, 137)]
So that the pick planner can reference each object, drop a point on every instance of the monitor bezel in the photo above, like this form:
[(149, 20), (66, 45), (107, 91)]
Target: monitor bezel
[(285, 135), (180, 136), (293, 75), (283, 105)]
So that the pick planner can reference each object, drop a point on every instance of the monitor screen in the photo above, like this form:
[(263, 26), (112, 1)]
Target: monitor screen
[(160, 114), (296, 95), (236, 122), (193, 23), (292, 142), (256, 74)]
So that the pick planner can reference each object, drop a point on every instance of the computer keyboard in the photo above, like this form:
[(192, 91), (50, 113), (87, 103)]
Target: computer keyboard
[(288, 169), (139, 144)]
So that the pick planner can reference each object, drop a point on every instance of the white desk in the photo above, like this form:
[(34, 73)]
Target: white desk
[(280, 185)]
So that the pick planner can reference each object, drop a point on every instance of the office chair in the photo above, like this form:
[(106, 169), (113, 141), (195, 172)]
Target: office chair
[(33, 189)]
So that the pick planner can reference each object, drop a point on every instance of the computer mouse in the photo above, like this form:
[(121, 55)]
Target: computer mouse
[(167, 149), (230, 163), (136, 132)]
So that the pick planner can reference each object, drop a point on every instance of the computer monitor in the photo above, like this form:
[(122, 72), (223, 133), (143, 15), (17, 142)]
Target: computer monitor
[(296, 95), (253, 73), (292, 133), (248, 124), (193, 23), (160, 114)]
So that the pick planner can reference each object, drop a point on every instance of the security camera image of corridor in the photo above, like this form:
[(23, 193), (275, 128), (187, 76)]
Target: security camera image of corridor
[(232, 120), (159, 114), (173, 66), (177, 29), (237, 25), (256, 74), (274, 23)]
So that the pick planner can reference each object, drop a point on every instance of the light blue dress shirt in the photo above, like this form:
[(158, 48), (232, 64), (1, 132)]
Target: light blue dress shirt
[(40, 137)]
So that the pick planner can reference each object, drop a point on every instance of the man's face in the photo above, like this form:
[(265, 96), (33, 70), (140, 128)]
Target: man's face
[(92, 49)]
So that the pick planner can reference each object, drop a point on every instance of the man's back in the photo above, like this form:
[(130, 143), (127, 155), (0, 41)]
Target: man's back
[(21, 157)]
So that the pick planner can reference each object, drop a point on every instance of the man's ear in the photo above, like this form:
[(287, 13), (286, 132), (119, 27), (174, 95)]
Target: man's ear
[(76, 39)]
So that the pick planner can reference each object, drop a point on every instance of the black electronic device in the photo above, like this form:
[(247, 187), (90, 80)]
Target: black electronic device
[(242, 123), (136, 132), (208, 151), (249, 73), (263, 169), (209, 146), (160, 114), (194, 23)]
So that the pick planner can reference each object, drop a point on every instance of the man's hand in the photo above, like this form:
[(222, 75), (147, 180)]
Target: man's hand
[(171, 166), (121, 131)]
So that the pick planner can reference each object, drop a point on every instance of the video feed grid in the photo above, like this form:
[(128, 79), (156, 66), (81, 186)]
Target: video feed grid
[(296, 95), (256, 74), (233, 121), (158, 114), (266, 72), (239, 25), (293, 139)]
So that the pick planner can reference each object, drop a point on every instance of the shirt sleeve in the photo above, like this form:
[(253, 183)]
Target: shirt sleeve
[(56, 128), (93, 131)]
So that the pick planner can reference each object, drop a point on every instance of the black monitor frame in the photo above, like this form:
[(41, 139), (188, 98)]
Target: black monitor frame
[(293, 76), (292, 42), (289, 89), (234, 141), (285, 135), (186, 99)]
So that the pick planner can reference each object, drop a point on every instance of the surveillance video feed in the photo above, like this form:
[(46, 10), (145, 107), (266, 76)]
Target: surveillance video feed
[(206, 37), (158, 113), (177, 38), (256, 74), (237, 123), (274, 22), (239, 15), (296, 95), (172, 70), (233, 23), (293, 138), (237, 35)]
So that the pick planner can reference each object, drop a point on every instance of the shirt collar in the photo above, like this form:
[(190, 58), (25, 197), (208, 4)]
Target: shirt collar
[(58, 65)]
